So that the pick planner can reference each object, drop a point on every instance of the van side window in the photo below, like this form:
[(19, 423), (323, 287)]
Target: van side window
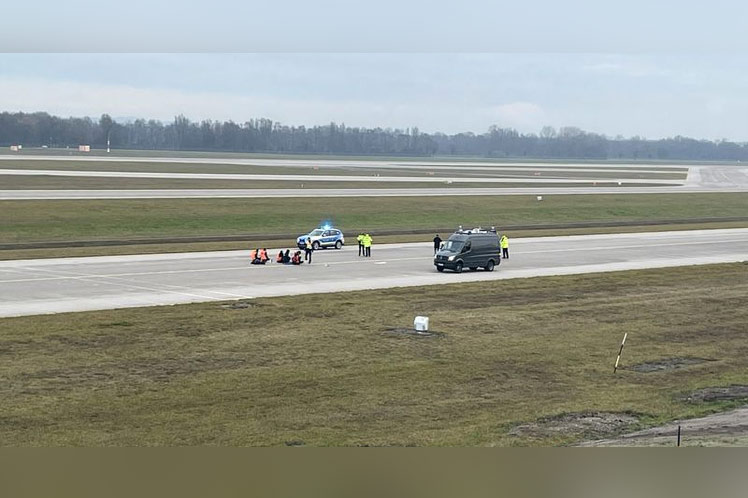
[(467, 246)]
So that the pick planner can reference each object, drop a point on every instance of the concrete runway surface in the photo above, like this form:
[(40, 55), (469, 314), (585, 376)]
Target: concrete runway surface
[(701, 178), (29, 287), (325, 178)]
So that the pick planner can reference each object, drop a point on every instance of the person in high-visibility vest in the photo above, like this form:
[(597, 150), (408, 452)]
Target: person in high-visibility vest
[(504, 242), (360, 240), (367, 245)]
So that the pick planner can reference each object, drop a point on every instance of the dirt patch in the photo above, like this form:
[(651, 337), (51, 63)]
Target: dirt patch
[(588, 424), (666, 364), (238, 305), (710, 394), (413, 332)]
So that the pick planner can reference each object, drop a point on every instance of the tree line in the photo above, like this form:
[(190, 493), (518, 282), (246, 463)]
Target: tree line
[(265, 135)]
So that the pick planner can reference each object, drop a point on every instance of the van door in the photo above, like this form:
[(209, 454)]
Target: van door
[(467, 254)]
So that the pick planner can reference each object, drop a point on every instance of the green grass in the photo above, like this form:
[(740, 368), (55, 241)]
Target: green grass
[(324, 370), (259, 155), (28, 221)]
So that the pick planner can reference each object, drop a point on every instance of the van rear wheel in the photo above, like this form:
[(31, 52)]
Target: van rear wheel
[(458, 267), (489, 266)]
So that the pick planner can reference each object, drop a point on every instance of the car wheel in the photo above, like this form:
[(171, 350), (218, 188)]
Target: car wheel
[(458, 267), (440, 269), (315, 245), (489, 266), (338, 245)]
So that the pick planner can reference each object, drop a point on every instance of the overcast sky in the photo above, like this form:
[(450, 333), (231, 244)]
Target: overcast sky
[(652, 95)]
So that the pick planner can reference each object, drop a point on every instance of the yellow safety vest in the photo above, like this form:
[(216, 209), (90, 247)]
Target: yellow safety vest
[(504, 242), (367, 241)]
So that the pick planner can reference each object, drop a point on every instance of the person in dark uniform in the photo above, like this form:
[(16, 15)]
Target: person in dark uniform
[(437, 243), (308, 249)]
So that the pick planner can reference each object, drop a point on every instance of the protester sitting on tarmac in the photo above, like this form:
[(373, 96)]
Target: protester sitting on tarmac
[(255, 257), (296, 260), (286, 257), (279, 258), (263, 256)]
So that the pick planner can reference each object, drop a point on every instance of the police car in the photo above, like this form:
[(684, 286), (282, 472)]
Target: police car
[(322, 237)]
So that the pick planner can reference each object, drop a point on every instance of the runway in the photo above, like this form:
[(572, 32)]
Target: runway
[(325, 178), (700, 179), (347, 192), (42, 286)]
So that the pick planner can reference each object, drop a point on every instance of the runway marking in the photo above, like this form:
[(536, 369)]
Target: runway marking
[(85, 277)]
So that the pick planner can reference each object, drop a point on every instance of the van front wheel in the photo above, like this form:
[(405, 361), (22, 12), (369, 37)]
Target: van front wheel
[(458, 267), (489, 266)]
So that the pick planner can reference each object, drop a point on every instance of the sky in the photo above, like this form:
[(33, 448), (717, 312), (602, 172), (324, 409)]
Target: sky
[(650, 95)]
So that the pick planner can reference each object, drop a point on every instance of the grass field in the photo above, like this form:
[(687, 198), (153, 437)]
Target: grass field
[(254, 155), (518, 362), (28, 221)]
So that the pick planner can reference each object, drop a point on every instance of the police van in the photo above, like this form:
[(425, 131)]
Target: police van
[(474, 248)]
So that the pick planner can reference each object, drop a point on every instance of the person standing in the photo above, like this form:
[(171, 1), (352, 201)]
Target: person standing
[(308, 249), (504, 242), (360, 240), (367, 245), (437, 243)]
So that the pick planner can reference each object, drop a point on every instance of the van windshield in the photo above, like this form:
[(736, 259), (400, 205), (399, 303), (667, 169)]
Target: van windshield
[(454, 245)]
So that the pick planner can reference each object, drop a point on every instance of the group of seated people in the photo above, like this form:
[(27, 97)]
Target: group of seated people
[(260, 257)]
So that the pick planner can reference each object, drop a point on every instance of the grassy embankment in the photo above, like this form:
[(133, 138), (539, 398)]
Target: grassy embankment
[(38, 151), (37, 221), (325, 370)]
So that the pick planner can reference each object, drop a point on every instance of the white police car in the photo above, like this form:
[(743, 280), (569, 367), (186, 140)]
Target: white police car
[(322, 237)]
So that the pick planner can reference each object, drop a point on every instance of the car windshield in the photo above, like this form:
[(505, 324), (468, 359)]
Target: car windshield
[(453, 245), (316, 232)]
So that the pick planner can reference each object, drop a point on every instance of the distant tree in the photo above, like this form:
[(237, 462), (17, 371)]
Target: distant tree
[(548, 132), (106, 123)]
